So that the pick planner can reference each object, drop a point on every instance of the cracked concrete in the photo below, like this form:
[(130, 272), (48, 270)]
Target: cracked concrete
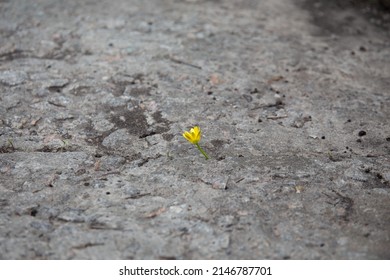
[(292, 97)]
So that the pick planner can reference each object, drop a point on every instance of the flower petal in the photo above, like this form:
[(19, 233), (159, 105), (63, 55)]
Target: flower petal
[(187, 136), (197, 133)]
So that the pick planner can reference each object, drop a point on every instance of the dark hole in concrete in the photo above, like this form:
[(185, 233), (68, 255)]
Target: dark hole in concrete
[(221, 158), (362, 133), (147, 134), (34, 212)]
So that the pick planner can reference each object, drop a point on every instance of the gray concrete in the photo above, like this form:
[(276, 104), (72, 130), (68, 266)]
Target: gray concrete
[(292, 98)]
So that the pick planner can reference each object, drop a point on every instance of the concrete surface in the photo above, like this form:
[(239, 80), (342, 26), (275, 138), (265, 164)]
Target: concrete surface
[(292, 98)]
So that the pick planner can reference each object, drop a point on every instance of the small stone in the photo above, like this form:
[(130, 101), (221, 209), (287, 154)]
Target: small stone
[(215, 79), (219, 184), (299, 189)]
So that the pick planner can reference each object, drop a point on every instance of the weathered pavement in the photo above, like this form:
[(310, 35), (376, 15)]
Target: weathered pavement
[(292, 97)]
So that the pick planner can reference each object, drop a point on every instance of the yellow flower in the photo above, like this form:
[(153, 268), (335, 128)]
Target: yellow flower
[(194, 135)]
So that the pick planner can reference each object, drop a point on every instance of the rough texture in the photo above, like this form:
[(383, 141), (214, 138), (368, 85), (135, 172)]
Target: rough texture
[(292, 97)]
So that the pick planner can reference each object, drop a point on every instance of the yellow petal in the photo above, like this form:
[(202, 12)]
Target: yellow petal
[(187, 136), (197, 133)]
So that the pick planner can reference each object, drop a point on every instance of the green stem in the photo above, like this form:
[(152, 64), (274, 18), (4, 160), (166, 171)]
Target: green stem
[(201, 150)]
